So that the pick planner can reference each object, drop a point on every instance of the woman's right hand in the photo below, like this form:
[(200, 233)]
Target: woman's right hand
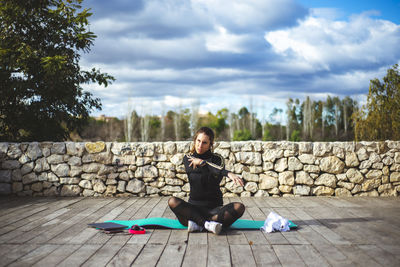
[(194, 162)]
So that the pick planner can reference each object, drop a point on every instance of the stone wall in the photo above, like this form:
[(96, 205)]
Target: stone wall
[(156, 169)]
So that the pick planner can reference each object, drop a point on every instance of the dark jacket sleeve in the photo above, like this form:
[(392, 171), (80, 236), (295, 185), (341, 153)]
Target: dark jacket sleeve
[(217, 165)]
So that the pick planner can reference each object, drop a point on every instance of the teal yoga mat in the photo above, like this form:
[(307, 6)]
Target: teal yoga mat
[(158, 222)]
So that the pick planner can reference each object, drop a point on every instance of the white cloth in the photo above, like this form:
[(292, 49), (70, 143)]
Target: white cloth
[(275, 222)]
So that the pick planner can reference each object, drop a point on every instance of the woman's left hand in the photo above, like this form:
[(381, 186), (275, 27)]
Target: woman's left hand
[(235, 178)]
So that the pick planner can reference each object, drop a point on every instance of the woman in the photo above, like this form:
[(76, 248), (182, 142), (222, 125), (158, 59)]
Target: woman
[(205, 171)]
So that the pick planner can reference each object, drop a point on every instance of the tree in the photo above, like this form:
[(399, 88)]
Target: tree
[(267, 132), (242, 135), (292, 114), (41, 81), (379, 118)]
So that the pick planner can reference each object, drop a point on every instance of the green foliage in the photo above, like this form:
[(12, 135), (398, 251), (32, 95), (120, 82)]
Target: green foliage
[(216, 122), (242, 135), (267, 133), (155, 127), (243, 112), (295, 136), (379, 119), (41, 81)]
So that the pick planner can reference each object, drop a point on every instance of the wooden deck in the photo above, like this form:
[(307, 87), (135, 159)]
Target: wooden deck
[(332, 232)]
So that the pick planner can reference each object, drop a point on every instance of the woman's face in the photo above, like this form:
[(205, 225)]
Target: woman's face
[(202, 143)]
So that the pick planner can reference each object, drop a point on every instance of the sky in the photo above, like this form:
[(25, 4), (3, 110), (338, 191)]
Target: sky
[(214, 54)]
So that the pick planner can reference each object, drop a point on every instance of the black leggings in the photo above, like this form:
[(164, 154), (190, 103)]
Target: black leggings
[(185, 211)]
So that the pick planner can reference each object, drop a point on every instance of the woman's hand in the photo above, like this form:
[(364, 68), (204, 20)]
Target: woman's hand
[(235, 178), (194, 162)]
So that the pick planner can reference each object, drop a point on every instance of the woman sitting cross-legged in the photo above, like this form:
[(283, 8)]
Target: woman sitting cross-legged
[(205, 171)]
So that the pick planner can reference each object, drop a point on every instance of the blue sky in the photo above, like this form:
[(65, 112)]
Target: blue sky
[(173, 54)]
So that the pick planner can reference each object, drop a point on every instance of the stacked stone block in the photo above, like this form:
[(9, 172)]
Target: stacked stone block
[(156, 169)]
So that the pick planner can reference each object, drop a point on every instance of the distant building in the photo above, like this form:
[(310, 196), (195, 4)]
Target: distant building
[(104, 118)]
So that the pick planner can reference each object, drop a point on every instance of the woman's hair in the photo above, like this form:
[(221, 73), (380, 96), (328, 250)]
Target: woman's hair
[(207, 131)]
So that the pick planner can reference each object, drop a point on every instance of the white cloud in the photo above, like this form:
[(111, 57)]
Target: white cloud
[(323, 43), (251, 15), (168, 53), (224, 41)]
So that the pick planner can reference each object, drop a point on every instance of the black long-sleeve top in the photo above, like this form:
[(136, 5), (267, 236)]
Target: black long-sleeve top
[(204, 180)]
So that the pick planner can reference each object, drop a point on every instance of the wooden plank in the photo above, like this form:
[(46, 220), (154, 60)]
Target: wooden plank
[(198, 238), (393, 249), (29, 204), (334, 256), (342, 202), (12, 203), (18, 252), (295, 202), (29, 211), (360, 230), (218, 250), (149, 255), (261, 202), (178, 236), (145, 210), (327, 233), (370, 227), (310, 256), (22, 237), (383, 257), (35, 220), (236, 237), (255, 237), (26, 206), (305, 229), (35, 255), (159, 209), (378, 217), (287, 255), (134, 204), (196, 255), (357, 255), (57, 255), (172, 255), (248, 202), (27, 224), (126, 255), (242, 255), (76, 233), (159, 236), (80, 255), (48, 234), (106, 213), (6, 248), (103, 255), (168, 213), (140, 239), (354, 229), (264, 255)]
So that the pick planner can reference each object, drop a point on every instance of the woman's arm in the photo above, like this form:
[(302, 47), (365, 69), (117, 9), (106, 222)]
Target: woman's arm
[(216, 169)]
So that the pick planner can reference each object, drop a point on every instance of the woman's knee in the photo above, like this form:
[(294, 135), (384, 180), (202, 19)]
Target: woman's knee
[(239, 208), (173, 202)]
